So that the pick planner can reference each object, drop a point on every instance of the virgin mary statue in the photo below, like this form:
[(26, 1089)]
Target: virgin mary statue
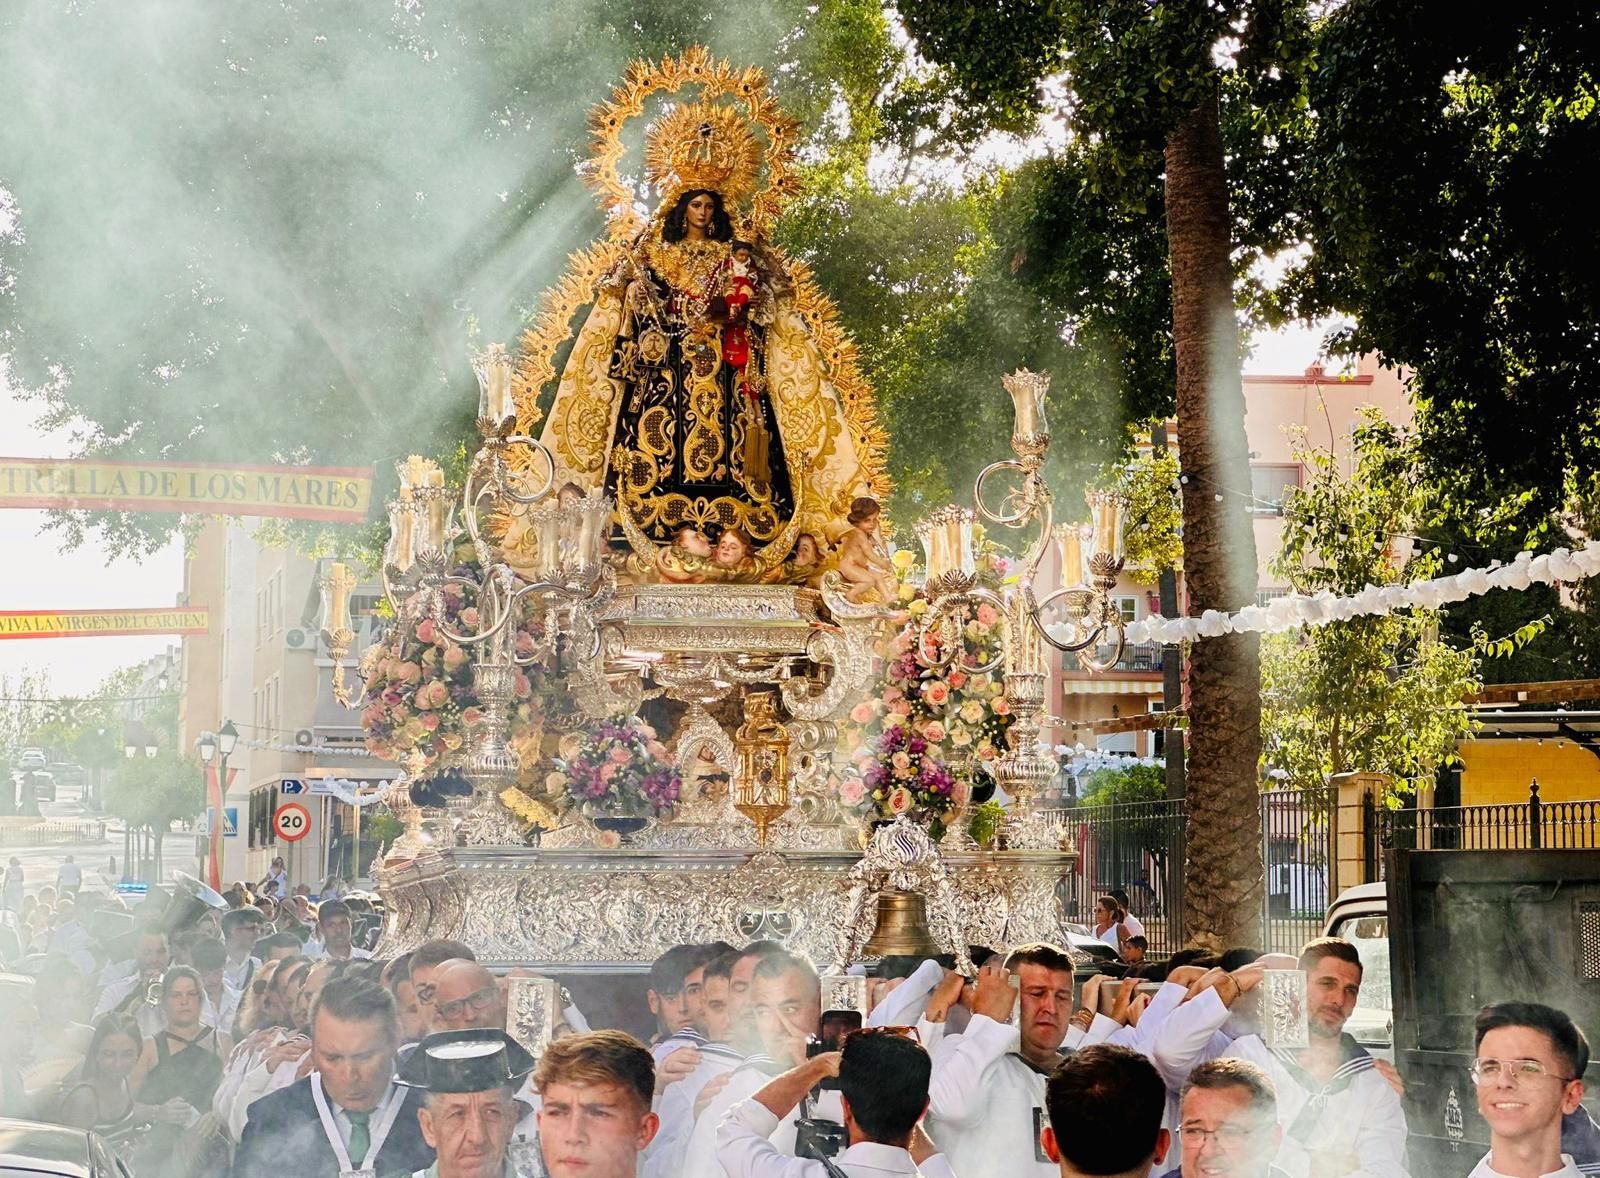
[(703, 391)]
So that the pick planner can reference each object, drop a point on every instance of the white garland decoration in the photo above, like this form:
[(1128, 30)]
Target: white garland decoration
[(1295, 610)]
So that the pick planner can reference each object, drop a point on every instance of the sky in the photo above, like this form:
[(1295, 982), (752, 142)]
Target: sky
[(39, 574)]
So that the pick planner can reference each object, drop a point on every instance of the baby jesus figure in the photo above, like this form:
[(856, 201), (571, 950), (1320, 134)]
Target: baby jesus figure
[(742, 280)]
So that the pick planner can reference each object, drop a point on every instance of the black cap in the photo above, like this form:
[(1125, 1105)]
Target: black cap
[(466, 1061)]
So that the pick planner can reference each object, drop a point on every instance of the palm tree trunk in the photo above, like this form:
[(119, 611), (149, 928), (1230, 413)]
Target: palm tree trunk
[(1223, 884)]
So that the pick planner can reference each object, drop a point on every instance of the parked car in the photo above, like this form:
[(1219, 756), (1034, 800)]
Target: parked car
[(1361, 916), (33, 1147), (32, 759), (42, 784)]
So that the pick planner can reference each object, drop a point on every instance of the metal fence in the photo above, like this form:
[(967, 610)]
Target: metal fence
[(1139, 847), (1511, 826), (1136, 847)]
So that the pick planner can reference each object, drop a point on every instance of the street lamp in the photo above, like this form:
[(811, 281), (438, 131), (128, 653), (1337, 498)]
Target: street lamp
[(134, 738)]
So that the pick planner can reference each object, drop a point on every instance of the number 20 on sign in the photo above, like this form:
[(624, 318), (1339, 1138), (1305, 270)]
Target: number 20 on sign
[(291, 822)]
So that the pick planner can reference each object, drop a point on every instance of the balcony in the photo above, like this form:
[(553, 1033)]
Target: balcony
[(1137, 657)]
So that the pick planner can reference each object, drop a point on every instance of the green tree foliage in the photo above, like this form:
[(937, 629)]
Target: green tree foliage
[(1116, 796), (1446, 194), (1380, 694)]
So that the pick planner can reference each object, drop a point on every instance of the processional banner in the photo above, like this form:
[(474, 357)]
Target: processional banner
[(334, 494), (101, 623)]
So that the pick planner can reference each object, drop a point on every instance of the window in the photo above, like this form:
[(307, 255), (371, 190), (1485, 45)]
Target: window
[(1128, 607), (1263, 596), (1270, 487)]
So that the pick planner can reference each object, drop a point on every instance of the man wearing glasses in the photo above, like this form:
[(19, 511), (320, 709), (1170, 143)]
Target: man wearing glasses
[(466, 997), (1529, 1076), (1229, 1122)]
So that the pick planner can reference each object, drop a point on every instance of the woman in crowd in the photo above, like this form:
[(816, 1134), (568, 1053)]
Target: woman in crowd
[(98, 1096), (183, 1061), (1108, 922)]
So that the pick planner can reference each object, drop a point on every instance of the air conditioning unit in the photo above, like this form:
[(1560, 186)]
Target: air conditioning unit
[(299, 638), (303, 738)]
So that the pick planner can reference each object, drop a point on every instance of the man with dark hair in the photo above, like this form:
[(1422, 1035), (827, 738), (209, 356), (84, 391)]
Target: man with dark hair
[(786, 1009), (988, 1088), (1528, 1070), (276, 947), (348, 1115), (595, 1116), (335, 932), (241, 929), (883, 1088), (470, 1078), (1134, 949), (1228, 1122), (717, 1057), (673, 1002), (1338, 1112), (1130, 922), (1106, 1105)]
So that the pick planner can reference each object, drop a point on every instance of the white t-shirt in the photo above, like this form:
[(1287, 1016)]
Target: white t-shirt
[(1569, 1169), (986, 1104), (746, 1151)]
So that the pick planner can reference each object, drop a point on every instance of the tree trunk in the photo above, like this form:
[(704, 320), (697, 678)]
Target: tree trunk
[(1223, 882)]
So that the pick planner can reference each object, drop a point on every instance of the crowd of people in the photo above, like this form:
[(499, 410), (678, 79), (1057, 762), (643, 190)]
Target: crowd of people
[(266, 1040)]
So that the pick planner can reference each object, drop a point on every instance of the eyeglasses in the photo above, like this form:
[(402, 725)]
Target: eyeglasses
[(1225, 1135), (479, 1001), (1489, 1071), (425, 993)]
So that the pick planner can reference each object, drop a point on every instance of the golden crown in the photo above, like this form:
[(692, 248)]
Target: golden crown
[(702, 145)]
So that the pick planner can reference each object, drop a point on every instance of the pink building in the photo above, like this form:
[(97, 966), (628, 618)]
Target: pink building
[(1326, 409)]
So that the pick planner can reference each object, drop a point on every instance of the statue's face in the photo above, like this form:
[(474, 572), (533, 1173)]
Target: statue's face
[(699, 211), (691, 541), (730, 549), (805, 552)]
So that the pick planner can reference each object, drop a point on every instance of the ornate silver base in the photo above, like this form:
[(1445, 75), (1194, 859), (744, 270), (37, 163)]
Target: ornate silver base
[(589, 908)]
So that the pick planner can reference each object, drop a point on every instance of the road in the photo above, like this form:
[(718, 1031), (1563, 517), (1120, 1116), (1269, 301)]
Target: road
[(94, 855)]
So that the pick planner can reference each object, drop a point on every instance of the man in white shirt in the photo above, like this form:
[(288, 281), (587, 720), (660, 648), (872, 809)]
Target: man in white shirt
[(334, 934), (988, 1088), (717, 1056), (1106, 1105), (883, 1088), (69, 878), (241, 929), (1339, 1114), (786, 1006), (151, 956), (1528, 1070)]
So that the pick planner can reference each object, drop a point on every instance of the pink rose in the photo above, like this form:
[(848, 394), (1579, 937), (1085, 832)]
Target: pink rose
[(900, 800), (987, 615), (986, 751), (936, 693), (608, 771), (408, 673), (472, 717), (934, 731), (469, 616), (901, 707), (430, 721), (957, 680), (520, 687), (454, 658), (609, 840), (863, 712), (901, 760), (903, 772), (852, 791), (1000, 705), (432, 694), (621, 756), (891, 694)]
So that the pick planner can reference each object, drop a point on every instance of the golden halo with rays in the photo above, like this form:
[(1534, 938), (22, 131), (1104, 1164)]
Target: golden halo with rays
[(702, 145), (678, 139)]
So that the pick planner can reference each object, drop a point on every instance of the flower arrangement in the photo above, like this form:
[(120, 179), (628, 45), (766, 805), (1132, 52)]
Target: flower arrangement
[(923, 722), (419, 693), (616, 768)]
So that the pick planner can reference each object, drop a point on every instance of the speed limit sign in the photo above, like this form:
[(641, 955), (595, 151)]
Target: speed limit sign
[(292, 822)]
